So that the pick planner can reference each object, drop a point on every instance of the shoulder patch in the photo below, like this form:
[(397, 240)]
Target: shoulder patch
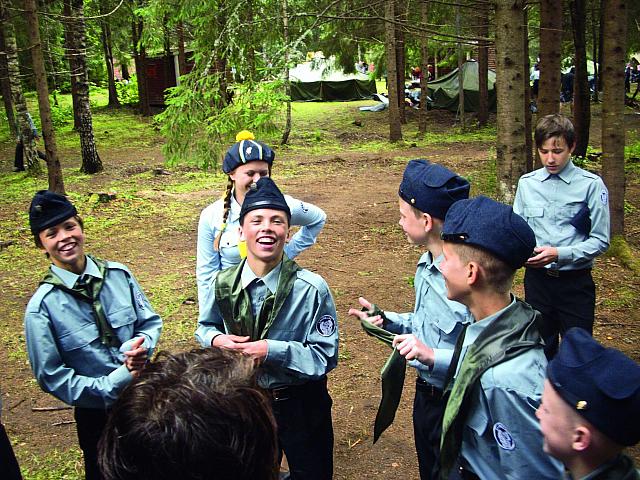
[(604, 197), (326, 326), (140, 299), (503, 437)]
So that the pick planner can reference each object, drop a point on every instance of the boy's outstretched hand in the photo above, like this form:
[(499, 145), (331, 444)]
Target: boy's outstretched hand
[(411, 348), (365, 314)]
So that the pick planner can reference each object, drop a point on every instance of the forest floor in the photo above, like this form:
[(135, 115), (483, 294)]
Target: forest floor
[(353, 174)]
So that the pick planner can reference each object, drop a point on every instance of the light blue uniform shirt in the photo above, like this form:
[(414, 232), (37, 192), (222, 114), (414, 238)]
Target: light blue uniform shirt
[(303, 339), (502, 437), (436, 321), (549, 202), (66, 354), (209, 261)]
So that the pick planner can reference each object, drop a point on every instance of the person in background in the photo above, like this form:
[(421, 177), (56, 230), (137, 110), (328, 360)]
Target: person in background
[(589, 409), (89, 328), (219, 245), (192, 415), (568, 209), (18, 163)]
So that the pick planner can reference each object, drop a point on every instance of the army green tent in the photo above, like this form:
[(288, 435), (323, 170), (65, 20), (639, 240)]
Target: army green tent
[(445, 90), (321, 80)]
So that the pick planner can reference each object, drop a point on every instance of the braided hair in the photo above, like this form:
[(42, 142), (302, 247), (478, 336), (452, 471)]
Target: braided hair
[(225, 215)]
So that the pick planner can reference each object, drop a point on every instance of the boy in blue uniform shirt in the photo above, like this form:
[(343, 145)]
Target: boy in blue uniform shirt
[(489, 427), (426, 193), (285, 318), (89, 328), (589, 409), (568, 210)]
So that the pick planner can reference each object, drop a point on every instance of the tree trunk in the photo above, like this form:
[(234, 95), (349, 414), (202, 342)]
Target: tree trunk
[(460, 74), (483, 65), (30, 153), (550, 53), (581, 99), (182, 58), (74, 69), (601, 46), (510, 148), (424, 67), (285, 29), (124, 69), (140, 57), (5, 83), (613, 128), (91, 162), (56, 181), (251, 52), (400, 58), (596, 67), (105, 36), (395, 128), (527, 96)]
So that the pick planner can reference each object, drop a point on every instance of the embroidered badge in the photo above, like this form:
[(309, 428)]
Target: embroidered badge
[(140, 299), (503, 437), (604, 197), (247, 151), (303, 207), (326, 326)]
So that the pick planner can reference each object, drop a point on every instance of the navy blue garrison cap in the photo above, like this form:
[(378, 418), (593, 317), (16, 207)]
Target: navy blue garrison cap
[(492, 226), (432, 188), (601, 384), (246, 151), (48, 209), (264, 194)]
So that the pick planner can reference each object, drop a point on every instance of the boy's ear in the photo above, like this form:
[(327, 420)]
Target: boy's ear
[(428, 222), (241, 233), (473, 273), (581, 438)]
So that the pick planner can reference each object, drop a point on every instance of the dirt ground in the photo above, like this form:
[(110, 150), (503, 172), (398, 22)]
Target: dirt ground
[(361, 252)]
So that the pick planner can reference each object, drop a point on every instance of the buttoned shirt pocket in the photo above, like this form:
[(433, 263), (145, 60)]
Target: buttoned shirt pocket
[(123, 322), (78, 348), (478, 422)]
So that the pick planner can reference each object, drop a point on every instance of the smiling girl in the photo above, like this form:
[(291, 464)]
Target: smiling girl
[(219, 244)]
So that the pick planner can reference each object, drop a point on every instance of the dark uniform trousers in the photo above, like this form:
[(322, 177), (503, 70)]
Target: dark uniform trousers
[(305, 429), (565, 301), (9, 469), (90, 423), (428, 410)]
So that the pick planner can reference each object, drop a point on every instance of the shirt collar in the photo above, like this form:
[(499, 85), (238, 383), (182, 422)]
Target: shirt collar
[(270, 279), (566, 175), (70, 278)]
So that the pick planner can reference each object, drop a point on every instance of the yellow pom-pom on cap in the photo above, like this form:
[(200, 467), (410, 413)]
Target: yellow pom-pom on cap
[(244, 135)]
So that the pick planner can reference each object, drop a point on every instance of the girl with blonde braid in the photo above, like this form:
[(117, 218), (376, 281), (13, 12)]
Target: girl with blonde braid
[(219, 244)]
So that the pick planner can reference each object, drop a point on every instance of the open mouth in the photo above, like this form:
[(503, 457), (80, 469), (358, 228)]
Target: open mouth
[(68, 248), (266, 241)]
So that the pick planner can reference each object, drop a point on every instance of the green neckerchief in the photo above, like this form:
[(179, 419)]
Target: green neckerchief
[(89, 291), (235, 304), (508, 336), (391, 375)]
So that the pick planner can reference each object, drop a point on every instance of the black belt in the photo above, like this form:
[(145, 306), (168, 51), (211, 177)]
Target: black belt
[(428, 389), (291, 391), (553, 273)]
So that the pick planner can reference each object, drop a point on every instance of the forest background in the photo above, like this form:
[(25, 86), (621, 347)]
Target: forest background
[(140, 180)]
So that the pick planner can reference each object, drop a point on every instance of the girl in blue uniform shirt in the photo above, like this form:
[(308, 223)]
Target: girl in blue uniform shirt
[(219, 244)]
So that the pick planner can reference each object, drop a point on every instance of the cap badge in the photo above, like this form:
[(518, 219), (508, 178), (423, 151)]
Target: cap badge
[(413, 200), (581, 405), (248, 151)]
